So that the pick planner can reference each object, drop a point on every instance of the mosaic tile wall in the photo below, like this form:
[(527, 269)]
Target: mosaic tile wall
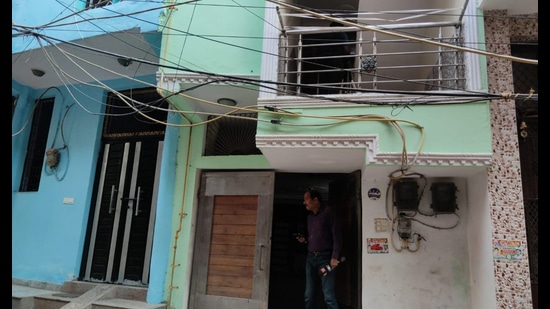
[(513, 285)]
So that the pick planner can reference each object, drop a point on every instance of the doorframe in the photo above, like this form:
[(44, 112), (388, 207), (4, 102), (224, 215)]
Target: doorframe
[(228, 183), (290, 187)]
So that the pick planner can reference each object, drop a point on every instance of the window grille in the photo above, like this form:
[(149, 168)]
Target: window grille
[(232, 136), (97, 3)]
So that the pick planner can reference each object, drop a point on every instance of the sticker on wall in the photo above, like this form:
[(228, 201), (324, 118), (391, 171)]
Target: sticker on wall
[(507, 250), (377, 245), (374, 193)]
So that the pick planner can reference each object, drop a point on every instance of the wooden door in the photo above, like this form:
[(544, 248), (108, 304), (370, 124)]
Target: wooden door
[(232, 244)]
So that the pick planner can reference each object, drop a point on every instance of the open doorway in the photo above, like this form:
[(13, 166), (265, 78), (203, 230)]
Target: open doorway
[(287, 269)]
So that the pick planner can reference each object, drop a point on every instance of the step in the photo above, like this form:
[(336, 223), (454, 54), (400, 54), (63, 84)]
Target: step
[(80, 295), (55, 300), (118, 291), (22, 297), (118, 303)]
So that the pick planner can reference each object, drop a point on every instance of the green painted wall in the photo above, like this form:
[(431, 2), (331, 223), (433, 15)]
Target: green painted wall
[(451, 128), (215, 36), (189, 163)]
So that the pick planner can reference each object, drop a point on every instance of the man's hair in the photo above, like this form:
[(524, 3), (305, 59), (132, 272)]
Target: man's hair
[(314, 193)]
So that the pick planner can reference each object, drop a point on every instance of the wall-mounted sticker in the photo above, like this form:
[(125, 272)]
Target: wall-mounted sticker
[(374, 193), (507, 250), (377, 245)]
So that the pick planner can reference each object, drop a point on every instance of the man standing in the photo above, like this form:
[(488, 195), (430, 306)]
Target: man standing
[(324, 244)]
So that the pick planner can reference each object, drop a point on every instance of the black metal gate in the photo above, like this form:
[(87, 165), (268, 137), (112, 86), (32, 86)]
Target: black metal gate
[(525, 81)]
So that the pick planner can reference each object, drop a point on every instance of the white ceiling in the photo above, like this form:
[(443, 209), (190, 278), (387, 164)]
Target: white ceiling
[(61, 64)]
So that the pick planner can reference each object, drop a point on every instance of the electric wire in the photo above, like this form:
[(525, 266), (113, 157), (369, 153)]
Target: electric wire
[(469, 94), (31, 113), (60, 129), (223, 42), (259, 51), (392, 33), (346, 120)]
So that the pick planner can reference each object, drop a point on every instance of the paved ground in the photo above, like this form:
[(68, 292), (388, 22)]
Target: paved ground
[(25, 291)]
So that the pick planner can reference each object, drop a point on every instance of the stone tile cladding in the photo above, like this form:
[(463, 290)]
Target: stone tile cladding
[(513, 285)]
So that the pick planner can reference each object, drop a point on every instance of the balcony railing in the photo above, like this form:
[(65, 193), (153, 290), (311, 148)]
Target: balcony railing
[(313, 61)]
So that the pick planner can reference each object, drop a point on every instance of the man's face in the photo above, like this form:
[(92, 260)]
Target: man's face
[(309, 202)]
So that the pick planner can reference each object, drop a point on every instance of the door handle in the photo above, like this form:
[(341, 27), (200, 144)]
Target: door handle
[(261, 256), (113, 191), (137, 201)]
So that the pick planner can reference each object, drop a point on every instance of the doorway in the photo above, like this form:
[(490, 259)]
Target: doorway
[(245, 255), (120, 230), (287, 269)]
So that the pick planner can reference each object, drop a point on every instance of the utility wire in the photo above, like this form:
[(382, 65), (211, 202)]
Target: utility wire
[(469, 94), (392, 33)]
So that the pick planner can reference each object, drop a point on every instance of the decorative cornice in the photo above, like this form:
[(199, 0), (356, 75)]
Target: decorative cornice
[(437, 159), (371, 145), (193, 78)]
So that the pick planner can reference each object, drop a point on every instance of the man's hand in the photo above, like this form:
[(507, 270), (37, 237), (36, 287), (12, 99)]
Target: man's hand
[(334, 262), (299, 237)]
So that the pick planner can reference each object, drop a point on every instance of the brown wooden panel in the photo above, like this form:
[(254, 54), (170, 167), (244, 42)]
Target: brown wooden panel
[(229, 205), (234, 229), (235, 200), (232, 246), (230, 281), (232, 250), (238, 219), (231, 260), (230, 270), (232, 239), (230, 208), (229, 291)]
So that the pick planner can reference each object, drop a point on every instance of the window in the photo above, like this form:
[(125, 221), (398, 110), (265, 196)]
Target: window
[(32, 170), (97, 3), (232, 136)]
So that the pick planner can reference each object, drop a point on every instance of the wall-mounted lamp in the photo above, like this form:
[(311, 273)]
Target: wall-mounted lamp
[(227, 101), (38, 72), (124, 61)]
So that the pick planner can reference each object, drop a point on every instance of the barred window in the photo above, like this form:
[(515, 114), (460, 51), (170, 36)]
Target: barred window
[(36, 148)]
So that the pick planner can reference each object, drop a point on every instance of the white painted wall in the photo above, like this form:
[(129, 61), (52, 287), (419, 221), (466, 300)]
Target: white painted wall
[(450, 269), (482, 279)]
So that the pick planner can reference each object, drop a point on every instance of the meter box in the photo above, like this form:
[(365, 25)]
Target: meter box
[(406, 194), (443, 197), (404, 229)]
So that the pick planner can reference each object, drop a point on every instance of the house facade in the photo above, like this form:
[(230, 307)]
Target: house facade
[(181, 142)]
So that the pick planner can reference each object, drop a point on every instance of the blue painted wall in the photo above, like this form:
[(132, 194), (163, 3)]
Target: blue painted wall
[(47, 235), (82, 24)]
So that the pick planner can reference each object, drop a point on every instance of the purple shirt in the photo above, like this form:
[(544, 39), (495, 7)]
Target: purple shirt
[(324, 233)]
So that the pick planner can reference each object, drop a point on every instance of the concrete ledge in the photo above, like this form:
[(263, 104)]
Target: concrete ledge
[(36, 284), (20, 291), (125, 303)]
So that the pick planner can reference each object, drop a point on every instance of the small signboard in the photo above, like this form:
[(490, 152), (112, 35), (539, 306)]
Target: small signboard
[(374, 193), (507, 250), (377, 245)]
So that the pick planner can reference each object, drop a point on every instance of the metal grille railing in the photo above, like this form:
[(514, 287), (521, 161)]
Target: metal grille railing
[(375, 61)]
